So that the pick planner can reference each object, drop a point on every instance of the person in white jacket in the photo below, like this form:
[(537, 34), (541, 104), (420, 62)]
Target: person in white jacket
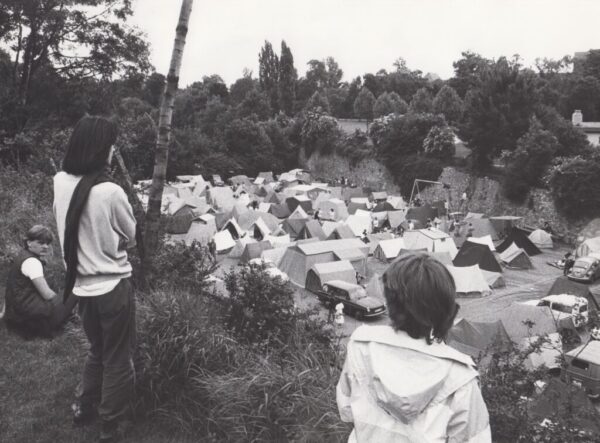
[(402, 383)]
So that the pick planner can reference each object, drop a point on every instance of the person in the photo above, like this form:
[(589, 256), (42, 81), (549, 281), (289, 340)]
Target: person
[(436, 223), (411, 225), (470, 230), (331, 214), (401, 231), (428, 225), (96, 226), (546, 227), (402, 382), (569, 262), (212, 249), (32, 308), (375, 223), (317, 214), (365, 237)]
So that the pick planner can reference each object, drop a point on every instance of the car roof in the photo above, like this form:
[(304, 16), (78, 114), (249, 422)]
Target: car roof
[(565, 299), (589, 352), (343, 285)]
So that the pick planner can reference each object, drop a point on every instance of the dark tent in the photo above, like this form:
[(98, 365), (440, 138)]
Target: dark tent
[(221, 218), (253, 250), (280, 210), (521, 239), (312, 229), (180, 222), (476, 339), (353, 206), (341, 231), (298, 200), (562, 285), (421, 213), (440, 207), (294, 226), (476, 254), (383, 207)]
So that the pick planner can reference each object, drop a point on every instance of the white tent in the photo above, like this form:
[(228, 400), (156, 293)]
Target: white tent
[(432, 239), (264, 207), (588, 246), (240, 246), (201, 230), (333, 209), (259, 229), (485, 240), (396, 201), (546, 355), (329, 226), (358, 224), (298, 213), (541, 239), (516, 257), (388, 250), (469, 281), (224, 241), (278, 240)]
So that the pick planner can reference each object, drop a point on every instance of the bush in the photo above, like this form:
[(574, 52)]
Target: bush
[(439, 143), (406, 169), (575, 183), (320, 133), (355, 147)]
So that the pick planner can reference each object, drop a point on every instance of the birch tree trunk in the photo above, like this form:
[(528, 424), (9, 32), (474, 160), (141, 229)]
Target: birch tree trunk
[(164, 135)]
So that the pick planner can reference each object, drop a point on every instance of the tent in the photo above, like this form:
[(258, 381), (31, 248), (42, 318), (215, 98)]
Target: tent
[(341, 231), (478, 338), (298, 212), (299, 201), (474, 215), (541, 239), (349, 192), (378, 196), (515, 257), (294, 226), (395, 218), (397, 202), (443, 257), (588, 246), (469, 281), (353, 207), (547, 353), (298, 259), (358, 224), (224, 241), (267, 176), (520, 238), (433, 240), (388, 250), (374, 240), (421, 214), (180, 222), (221, 197), (201, 230), (333, 209), (383, 207), (494, 280), (254, 250), (486, 240), (279, 210), (522, 321), (248, 219), (240, 246), (329, 226), (475, 254), (323, 272), (234, 229), (312, 229), (356, 257), (237, 180), (504, 223), (278, 240), (479, 227), (562, 285)]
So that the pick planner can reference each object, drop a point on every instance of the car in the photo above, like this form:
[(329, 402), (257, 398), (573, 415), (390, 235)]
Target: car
[(217, 181), (354, 298), (565, 306), (586, 269), (270, 268), (582, 368)]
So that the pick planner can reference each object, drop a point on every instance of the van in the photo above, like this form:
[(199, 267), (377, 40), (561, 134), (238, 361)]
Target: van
[(583, 368), (565, 306)]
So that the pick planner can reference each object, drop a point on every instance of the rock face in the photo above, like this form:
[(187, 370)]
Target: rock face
[(483, 194), (366, 173)]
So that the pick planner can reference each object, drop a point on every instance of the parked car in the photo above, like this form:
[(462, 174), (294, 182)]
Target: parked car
[(270, 268), (586, 269), (565, 306), (217, 181), (354, 298), (583, 368)]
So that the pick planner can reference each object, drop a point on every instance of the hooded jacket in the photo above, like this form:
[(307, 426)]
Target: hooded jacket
[(398, 389)]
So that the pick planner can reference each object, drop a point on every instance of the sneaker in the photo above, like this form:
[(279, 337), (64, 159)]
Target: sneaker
[(83, 415)]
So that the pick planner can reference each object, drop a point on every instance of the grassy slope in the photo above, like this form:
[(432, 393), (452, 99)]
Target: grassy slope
[(37, 384)]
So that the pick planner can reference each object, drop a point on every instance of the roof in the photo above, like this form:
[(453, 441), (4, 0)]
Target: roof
[(332, 267), (565, 299), (591, 127), (589, 352), (331, 245), (350, 254), (344, 285)]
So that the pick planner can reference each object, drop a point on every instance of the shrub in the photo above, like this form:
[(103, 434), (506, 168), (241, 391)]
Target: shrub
[(320, 133), (575, 183), (406, 169), (439, 143), (355, 147)]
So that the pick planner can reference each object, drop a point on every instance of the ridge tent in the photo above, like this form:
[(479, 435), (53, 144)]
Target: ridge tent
[(240, 246), (475, 254), (201, 230), (298, 259), (478, 338), (469, 281), (503, 224), (294, 226), (238, 180), (264, 207), (312, 229), (388, 250), (518, 237), (224, 242), (361, 200), (494, 280), (274, 255), (274, 197), (329, 227), (258, 181), (431, 239), (421, 214), (358, 224), (396, 218), (238, 209), (180, 222), (298, 212), (546, 354), (378, 196), (522, 321), (335, 191), (320, 198), (480, 227), (301, 201), (591, 230), (254, 250), (234, 229), (588, 247), (221, 218), (333, 209), (259, 229), (515, 257), (279, 210), (562, 285), (443, 257), (267, 176), (541, 239), (396, 201), (248, 219), (341, 231), (321, 273), (363, 213), (374, 240), (356, 257), (486, 240), (348, 193), (261, 191), (221, 197), (279, 240), (383, 207), (353, 207)]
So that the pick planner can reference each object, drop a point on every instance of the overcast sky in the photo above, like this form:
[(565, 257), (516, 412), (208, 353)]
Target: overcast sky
[(363, 36)]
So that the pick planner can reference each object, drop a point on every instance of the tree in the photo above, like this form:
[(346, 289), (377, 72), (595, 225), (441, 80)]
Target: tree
[(585, 96), (572, 140), (76, 38), (439, 143), (591, 64), (164, 134), (448, 103), (575, 182), (241, 87), (399, 105), (383, 106), (467, 72), (363, 105), (334, 72), (319, 133), (268, 74), (318, 102), (257, 103), (153, 89), (250, 145), (288, 76), (421, 102)]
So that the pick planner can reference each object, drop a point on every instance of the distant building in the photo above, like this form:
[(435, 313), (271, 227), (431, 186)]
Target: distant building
[(350, 125), (591, 129)]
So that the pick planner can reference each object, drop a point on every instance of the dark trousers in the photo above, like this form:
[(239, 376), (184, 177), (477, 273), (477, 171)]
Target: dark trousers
[(108, 377)]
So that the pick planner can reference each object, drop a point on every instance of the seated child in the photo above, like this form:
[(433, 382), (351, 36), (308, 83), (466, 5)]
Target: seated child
[(32, 308)]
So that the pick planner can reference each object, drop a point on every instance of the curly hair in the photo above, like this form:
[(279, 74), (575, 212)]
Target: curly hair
[(420, 295)]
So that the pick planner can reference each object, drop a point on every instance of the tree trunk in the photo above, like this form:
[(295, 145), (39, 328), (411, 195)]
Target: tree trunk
[(164, 135)]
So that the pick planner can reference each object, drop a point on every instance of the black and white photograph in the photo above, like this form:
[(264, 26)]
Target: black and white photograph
[(299, 221)]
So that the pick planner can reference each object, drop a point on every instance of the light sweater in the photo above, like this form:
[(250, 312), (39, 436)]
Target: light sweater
[(106, 230)]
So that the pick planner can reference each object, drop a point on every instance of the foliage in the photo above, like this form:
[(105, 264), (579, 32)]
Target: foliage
[(449, 104), (406, 169), (268, 74), (421, 102), (439, 143), (363, 105), (389, 103), (355, 147), (528, 163), (585, 96), (572, 140), (574, 183), (251, 146), (468, 72), (320, 133), (241, 87), (287, 80), (318, 103), (255, 104)]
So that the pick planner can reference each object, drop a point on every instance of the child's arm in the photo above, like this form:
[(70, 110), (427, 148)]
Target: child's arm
[(43, 289), (33, 269)]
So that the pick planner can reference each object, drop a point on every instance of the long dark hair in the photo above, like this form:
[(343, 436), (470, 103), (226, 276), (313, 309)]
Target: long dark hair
[(89, 145)]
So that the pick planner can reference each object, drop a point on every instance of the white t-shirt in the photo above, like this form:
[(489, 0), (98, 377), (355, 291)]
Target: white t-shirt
[(32, 268), (95, 289)]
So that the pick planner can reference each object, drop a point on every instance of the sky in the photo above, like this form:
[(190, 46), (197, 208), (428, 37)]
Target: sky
[(225, 36)]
